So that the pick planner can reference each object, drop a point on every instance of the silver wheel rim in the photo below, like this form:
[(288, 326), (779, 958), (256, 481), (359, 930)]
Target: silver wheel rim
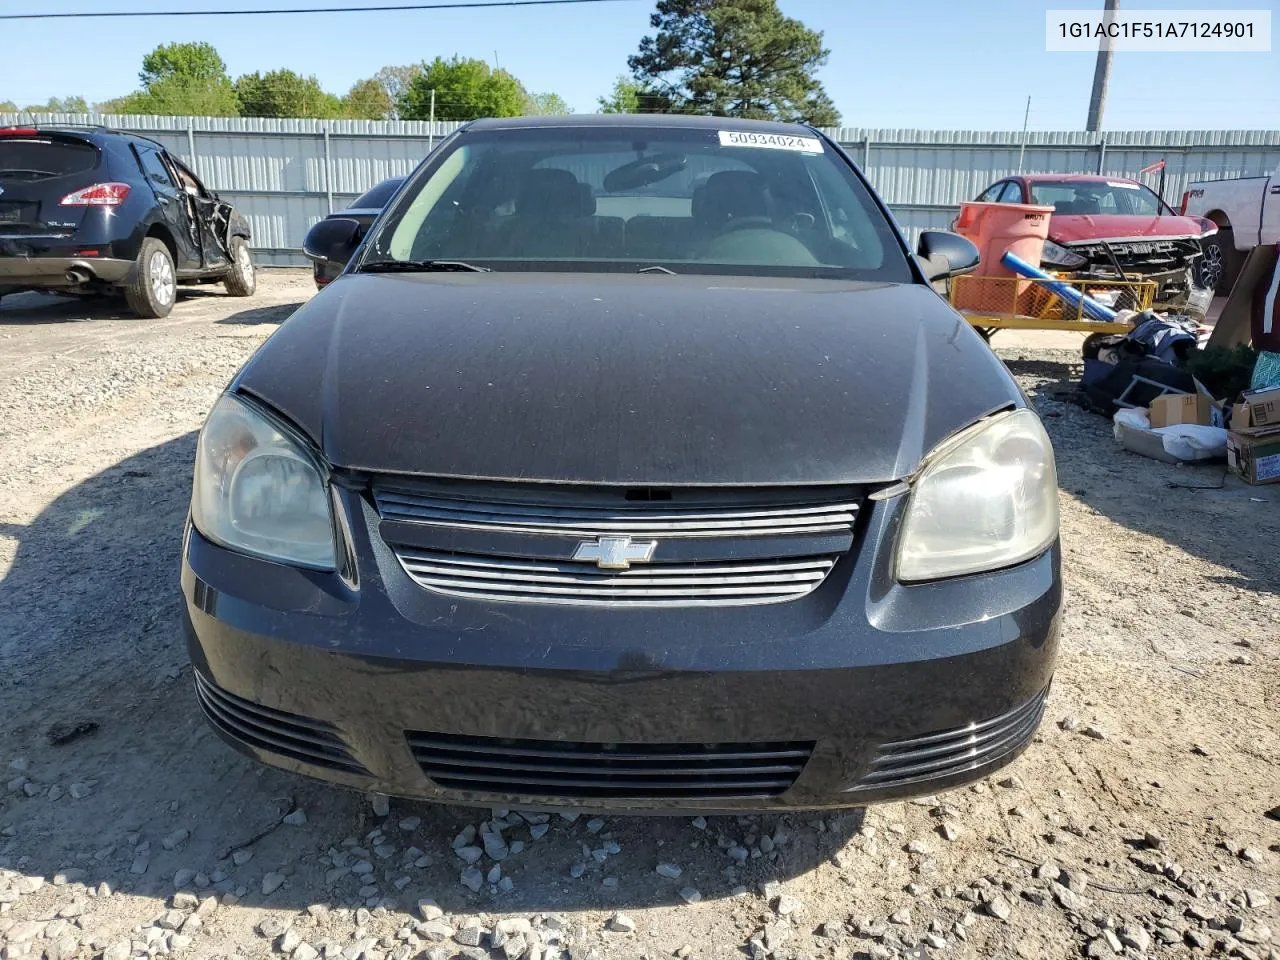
[(1211, 266), (244, 264), (163, 285)]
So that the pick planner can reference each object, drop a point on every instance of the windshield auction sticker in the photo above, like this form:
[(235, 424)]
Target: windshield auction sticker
[(1158, 31), (770, 141)]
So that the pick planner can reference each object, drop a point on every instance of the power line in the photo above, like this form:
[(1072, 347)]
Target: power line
[(383, 8)]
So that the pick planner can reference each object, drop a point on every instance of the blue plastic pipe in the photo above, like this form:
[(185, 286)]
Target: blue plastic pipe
[(1077, 300)]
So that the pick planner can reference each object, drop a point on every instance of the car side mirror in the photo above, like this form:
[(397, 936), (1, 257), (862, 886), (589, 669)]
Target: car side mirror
[(944, 254), (332, 241)]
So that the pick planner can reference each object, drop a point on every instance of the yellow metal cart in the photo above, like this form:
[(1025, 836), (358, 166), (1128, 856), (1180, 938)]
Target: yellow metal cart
[(1021, 303)]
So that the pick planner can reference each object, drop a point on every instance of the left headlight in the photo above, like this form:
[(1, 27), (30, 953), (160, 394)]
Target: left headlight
[(986, 498), (259, 491)]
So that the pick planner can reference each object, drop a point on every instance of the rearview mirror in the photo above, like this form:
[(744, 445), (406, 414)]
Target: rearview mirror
[(332, 241), (944, 254)]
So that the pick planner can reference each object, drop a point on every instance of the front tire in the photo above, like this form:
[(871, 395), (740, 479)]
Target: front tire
[(154, 287), (242, 281), (1221, 262)]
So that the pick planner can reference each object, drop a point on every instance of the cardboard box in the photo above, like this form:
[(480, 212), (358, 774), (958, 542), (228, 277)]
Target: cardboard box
[(1239, 417), (1255, 458), (1264, 407), (1174, 408), (1148, 443)]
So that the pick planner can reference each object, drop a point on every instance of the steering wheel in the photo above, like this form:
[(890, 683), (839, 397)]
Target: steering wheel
[(749, 223)]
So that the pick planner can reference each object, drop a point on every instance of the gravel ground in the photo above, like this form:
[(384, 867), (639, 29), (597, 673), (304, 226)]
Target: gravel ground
[(1144, 820)]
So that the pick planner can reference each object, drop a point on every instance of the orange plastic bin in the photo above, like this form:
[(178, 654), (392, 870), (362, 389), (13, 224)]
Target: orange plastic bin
[(996, 228)]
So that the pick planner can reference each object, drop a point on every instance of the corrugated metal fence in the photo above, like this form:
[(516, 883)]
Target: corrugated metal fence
[(286, 174)]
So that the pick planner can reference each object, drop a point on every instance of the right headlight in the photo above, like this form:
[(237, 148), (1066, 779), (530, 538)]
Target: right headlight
[(259, 491), (986, 498), (1056, 255)]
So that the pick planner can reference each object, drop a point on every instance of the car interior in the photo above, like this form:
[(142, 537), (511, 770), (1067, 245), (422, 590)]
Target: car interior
[(665, 208)]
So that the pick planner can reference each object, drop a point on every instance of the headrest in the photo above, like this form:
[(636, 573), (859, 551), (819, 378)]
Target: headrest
[(730, 195), (554, 193)]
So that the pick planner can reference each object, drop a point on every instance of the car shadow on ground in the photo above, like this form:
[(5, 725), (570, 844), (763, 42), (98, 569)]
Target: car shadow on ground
[(1200, 509), (119, 779), (277, 313), (37, 308)]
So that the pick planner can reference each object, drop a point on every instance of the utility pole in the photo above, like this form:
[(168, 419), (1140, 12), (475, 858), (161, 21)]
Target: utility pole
[(1101, 72), (431, 130), (1022, 150)]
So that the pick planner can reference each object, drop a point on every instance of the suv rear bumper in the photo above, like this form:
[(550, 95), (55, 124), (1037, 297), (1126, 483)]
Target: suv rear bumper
[(54, 272)]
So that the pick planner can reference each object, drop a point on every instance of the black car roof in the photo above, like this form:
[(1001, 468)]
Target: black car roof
[(632, 120), (88, 131)]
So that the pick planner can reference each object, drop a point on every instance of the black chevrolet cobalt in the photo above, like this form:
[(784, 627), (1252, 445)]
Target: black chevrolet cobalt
[(632, 463)]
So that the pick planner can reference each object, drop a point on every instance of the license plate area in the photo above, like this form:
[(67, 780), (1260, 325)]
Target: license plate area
[(18, 212)]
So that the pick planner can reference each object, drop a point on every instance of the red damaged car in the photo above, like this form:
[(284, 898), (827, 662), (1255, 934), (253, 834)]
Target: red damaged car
[(1102, 227)]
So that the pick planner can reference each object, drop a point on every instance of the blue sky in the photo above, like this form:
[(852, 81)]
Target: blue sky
[(894, 63)]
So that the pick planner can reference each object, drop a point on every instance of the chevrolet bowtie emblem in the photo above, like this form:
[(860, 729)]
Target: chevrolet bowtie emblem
[(615, 553)]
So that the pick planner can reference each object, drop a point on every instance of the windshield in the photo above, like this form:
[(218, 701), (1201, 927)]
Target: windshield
[(1099, 197), (618, 198)]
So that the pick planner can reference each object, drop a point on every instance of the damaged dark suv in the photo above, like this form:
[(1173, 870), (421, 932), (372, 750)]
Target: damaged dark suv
[(91, 210)]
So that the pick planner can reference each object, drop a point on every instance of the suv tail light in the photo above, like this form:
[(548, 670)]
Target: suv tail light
[(98, 195)]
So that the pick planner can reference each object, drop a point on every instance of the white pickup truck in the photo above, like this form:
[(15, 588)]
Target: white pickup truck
[(1247, 212)]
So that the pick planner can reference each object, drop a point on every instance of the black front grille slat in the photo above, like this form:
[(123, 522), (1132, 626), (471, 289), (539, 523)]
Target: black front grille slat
[(613, 768), (300, 738), (949, 752), (621, 771)]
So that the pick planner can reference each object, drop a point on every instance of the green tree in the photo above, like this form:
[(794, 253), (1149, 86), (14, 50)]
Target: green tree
[(547, 105), (8, 106), (190, 61), (464, 89), (631, 96), (395, 80), (624, 98), (367, 100), (735, 58), (182, 78), (283, 93), (59, 105)]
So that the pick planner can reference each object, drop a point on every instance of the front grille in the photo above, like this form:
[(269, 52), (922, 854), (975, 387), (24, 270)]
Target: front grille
[(287, 734), (555, 769), (706, 548), (662, 520), (953, 751), (687, 584)]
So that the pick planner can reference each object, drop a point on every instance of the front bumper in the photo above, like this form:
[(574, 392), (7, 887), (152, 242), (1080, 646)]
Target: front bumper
[(863, 691)]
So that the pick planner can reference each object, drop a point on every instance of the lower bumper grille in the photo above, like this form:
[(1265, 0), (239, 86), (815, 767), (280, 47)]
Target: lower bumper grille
[(287, 734), (953, 751), (548, 768)]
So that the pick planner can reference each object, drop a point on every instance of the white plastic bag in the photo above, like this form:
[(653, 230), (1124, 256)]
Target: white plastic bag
[(1192, 441), (1135, 418)]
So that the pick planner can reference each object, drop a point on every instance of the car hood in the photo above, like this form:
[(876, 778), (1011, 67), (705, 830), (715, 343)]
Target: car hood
[(625, 379), (1076, 227)]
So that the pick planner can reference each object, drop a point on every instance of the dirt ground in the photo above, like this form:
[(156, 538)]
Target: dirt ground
[(1143, 821)]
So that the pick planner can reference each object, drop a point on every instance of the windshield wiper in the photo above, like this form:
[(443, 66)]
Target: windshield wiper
[(657, 269), (38, 173), (421, 266)]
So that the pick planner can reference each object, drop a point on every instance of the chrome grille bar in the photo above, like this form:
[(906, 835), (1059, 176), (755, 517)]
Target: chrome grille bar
[(685, 584), (665, 522)]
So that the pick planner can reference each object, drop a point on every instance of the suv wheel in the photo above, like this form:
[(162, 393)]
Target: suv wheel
[(154, 286), (1220, 262), (242, 280)]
